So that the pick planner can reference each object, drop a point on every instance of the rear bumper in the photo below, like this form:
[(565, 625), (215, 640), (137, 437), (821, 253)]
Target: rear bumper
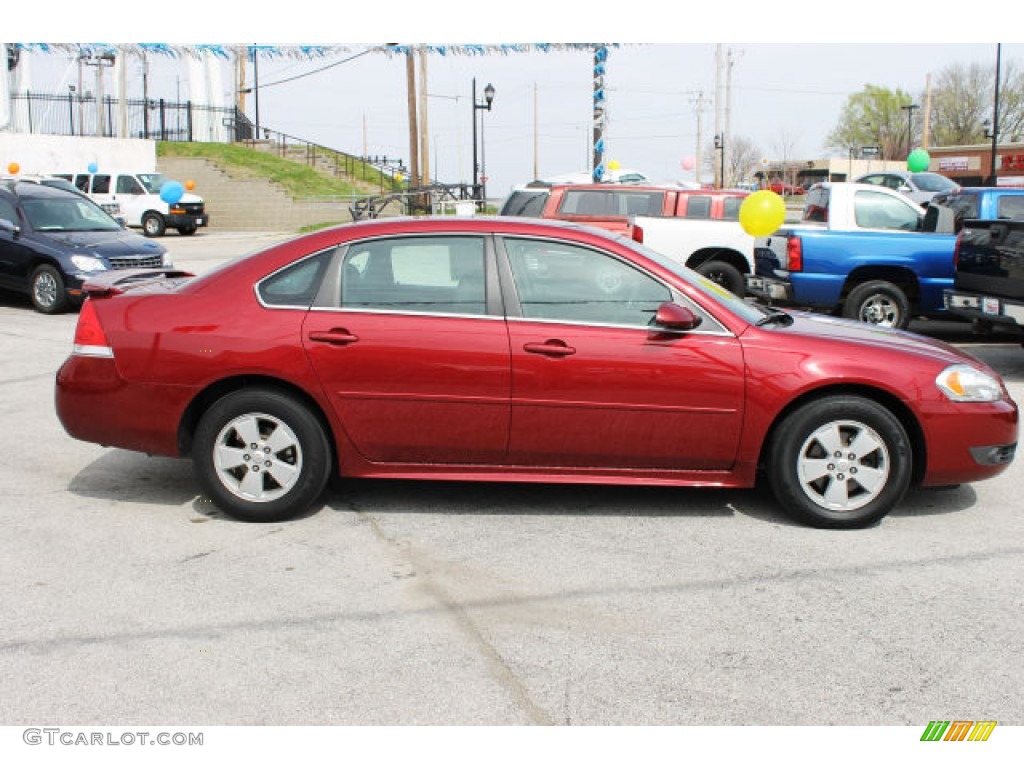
[(96, 405), (978, 306), (769, 288)]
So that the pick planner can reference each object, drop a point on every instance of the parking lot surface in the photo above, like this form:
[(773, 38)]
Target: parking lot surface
[(128, 599)]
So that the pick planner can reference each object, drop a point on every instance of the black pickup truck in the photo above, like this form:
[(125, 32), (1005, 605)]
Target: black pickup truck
[(988, 286)]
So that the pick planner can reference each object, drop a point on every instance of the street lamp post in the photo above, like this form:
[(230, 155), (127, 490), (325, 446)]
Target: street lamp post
[(910, 125), (720, 146), (995, 116), (480, 191)]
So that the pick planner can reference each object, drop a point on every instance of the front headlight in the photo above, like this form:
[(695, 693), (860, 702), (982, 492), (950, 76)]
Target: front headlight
[(167, 263), (88, 263), (964, 384)]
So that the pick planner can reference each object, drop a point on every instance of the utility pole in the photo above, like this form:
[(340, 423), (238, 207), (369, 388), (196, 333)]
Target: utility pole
[(536, 174), (995, 117), (727, 149), (927, 110), (424, 130), (414, 142)]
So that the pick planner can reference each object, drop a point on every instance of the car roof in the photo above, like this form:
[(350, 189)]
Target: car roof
[(32, 188)]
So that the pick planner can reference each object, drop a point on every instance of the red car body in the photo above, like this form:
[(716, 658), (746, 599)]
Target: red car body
[(495, 394)]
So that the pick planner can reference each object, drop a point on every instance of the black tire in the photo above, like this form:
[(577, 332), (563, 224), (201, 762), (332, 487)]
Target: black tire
[(294, 456), (725, 274), (839, 462), (187, 230), (153, 225), (47, 291), (878, 302)]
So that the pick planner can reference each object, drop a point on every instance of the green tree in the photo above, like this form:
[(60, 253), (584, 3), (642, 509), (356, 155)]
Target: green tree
[(874, 117)]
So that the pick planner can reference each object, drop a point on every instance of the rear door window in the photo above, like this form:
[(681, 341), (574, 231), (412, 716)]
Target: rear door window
[(101, 184), (698, 207), (1011, 207)]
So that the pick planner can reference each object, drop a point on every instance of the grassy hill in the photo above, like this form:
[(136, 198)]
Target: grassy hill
[(297, 178)]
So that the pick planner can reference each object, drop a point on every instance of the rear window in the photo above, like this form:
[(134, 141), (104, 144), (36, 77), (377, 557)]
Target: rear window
[(816, 205), (525, 203), (698, 207), (1011, 207), (601, 202), (731, 207)]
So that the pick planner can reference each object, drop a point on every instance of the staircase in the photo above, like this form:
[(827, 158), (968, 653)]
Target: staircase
[(241, 204)]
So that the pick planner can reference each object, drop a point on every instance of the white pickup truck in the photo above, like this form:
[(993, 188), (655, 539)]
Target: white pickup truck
[(719, 249)]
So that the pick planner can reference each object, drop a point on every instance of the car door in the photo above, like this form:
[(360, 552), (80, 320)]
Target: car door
[(15, 251), (411, 348), (594, 384)]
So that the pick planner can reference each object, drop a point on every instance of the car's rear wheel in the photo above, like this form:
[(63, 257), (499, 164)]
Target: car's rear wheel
[(189, 229), (153, 225), (47, 290), (839, 462), (725, 274), (261, 455), (878, 302)]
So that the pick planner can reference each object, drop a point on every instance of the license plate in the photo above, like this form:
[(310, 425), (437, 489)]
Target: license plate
[(199, 222), (990, 306), (755, 283)]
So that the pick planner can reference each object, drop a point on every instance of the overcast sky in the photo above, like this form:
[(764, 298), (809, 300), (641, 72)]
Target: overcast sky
[(789, 79)]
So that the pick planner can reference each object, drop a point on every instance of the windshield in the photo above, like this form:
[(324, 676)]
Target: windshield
[(933, 182), (67, 214), (749, 312), (153, 182), (525, 203)]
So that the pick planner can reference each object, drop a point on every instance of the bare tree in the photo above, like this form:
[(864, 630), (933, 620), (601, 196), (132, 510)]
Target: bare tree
[(743, 159)]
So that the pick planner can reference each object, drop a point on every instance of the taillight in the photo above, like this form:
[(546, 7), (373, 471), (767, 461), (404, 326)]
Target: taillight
[(956, 249), (90, 340), (637, 234), (794, 254)]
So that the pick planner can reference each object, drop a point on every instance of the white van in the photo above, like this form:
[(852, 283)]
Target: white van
[(138, 195)]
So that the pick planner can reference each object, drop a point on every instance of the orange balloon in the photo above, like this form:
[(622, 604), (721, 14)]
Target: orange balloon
[(190, 185), (13, 168)]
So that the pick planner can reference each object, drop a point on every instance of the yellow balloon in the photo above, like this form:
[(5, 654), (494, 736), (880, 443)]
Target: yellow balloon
[(613, 165), (761, 213), (399, 178)]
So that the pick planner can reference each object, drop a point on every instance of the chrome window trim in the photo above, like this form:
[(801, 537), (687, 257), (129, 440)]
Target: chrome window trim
[(722, 332), (289, 265)]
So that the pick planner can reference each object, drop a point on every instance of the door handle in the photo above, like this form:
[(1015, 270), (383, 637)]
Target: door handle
[(550, 348), (334, 336)]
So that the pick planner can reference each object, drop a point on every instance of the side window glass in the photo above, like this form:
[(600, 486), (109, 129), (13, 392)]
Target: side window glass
[(698, 207), (295, 285), (556, 281), (587, 203), (127, 185), (100, 185), (437, 275), (874, 210), (82, 182), (731, 208), (8, 212)]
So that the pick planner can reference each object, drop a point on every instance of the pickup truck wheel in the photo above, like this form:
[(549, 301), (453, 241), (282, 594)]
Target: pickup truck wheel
[(187, 230), (725, 274), (878, 302), (153, 225), (839, 462), (47, 290), (261, 455)]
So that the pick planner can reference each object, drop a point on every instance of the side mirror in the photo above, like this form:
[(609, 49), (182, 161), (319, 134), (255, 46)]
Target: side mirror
[(674, 317), (904, 188), (6, 225)]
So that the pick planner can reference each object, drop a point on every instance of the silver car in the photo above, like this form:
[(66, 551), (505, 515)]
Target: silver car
[(919, 187)]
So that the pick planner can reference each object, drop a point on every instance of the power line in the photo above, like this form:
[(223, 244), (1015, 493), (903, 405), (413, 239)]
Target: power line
[(315, 71)]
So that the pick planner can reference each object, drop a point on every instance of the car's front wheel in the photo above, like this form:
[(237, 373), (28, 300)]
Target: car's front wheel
[(47, 290), (153, 225), (839, 462), (261, 455)]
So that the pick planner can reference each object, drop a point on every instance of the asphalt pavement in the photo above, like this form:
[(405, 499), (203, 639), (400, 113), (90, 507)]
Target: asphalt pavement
[(128, 599)]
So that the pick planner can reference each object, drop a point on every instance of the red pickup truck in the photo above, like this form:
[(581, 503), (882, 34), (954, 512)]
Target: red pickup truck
[(610, 205)]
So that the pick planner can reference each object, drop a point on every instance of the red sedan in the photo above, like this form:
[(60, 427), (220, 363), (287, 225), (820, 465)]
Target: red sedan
[(513, 349)]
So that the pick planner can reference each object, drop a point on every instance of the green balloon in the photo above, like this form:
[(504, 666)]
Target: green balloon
[(918, 161)]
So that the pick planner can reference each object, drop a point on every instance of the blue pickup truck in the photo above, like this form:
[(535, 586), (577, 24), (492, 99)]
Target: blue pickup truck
[(870, 254), (860, 250)]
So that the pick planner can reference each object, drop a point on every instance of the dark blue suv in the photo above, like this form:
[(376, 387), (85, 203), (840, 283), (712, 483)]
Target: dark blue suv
[(52, 240)]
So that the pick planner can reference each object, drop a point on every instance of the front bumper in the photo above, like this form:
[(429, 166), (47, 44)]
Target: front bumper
[(175, 220)]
